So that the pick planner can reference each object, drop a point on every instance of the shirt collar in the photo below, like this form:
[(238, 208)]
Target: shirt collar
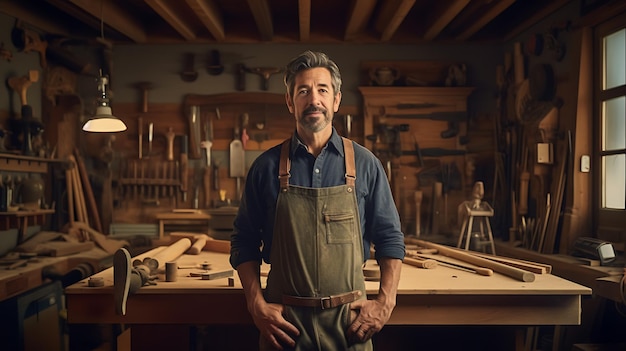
[(335, 141)]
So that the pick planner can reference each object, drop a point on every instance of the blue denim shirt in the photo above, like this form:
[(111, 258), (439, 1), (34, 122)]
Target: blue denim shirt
[(254, 225)]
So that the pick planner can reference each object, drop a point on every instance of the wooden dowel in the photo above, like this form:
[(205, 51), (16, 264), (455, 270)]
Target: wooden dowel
[(533, 267), (447, 262), (171, 253), (198, 245), (512, 272), (420, 263)]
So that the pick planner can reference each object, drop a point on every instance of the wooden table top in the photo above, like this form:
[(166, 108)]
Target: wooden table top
[(439, 296), (413, 281)]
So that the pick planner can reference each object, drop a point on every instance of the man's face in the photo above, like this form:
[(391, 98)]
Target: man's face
[(314, 102)]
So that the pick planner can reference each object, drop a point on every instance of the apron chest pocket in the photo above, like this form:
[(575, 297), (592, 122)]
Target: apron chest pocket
[(340, 227)]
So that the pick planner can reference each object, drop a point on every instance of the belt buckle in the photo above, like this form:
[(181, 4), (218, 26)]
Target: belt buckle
[(325, 302)]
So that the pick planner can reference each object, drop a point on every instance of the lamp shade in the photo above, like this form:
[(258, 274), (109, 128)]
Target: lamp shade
[(104, 122)]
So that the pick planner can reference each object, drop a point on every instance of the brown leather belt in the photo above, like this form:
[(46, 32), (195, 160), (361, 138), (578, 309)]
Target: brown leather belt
[(322, 302)]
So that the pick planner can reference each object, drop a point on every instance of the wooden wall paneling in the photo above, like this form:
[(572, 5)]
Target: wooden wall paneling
[(269, 123), (443, 158), (62, 124), (158, 190)]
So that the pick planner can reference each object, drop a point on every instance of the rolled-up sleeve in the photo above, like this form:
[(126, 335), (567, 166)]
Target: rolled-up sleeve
[(381, 219)]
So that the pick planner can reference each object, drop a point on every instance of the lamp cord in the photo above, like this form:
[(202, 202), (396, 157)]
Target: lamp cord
[(102, 19)]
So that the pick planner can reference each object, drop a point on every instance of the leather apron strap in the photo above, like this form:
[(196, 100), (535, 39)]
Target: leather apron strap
[(285, 163)]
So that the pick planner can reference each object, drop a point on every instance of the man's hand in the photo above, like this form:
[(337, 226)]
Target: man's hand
[(268, 317), (372, 316), (274, 328)]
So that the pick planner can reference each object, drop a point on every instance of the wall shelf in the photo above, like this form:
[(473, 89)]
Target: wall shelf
[(28, 164)]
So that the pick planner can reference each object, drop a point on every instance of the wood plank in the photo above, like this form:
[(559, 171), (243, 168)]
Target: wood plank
[(304, 19), (25, 13), (391, 16), (487, 16), (537, 16), (167, 12), (114, 16), (88, 193), (446, 14), (210, 16), (263, 17), (360, 14)]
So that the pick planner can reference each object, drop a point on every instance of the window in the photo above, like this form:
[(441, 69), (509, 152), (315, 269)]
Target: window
[(610, 122)]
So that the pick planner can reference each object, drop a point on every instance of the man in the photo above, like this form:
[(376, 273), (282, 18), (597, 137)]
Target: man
[(312, 207)]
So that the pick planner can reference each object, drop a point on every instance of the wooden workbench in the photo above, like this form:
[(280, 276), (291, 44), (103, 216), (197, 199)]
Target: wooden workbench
[(440, 296), (29, 276)]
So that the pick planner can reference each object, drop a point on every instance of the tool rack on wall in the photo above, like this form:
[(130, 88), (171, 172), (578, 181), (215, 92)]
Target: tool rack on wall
[(14, 217), (415, 120)]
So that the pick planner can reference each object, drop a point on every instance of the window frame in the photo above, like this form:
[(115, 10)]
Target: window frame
[(607, 220)]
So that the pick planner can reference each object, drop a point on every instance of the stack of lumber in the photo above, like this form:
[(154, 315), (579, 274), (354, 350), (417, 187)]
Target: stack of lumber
[(81, 204)]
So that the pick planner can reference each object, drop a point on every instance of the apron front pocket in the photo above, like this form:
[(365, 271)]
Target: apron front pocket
[(340, 227)]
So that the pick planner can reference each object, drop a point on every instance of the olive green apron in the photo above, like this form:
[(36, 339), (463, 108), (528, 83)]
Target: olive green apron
[(317, 251)]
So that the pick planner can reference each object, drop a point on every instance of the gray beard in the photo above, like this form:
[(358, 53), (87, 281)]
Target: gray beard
[(315, 125)]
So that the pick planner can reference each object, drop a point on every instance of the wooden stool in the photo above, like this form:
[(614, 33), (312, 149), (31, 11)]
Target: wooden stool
[(481, 215)]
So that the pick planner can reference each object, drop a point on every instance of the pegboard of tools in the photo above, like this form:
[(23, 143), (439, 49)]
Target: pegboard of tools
[(150, 180)]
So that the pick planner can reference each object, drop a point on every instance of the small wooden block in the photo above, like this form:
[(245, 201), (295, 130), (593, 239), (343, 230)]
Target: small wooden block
[(217, 275)]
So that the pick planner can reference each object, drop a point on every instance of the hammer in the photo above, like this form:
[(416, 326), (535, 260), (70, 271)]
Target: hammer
[(21, 84)]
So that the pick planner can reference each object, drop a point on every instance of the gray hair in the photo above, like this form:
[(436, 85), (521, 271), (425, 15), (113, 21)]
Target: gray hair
[(310, 59)]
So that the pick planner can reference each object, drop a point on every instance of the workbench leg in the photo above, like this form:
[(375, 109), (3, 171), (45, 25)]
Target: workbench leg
[(161, 228), (556, 338), (525, 338), (124, 341)]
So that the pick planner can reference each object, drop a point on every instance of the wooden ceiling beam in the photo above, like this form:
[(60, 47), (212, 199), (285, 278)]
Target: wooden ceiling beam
[(360, 13), (535, 18), (23, 13), (170, 16), (263, 17), (487, 16), (444, 17), (304, 19), (391, 16), (114, 17), (75, 12), (210, 16)]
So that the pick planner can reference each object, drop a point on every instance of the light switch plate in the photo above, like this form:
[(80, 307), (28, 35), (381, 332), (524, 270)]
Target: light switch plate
[(585, 163), (544, 153)]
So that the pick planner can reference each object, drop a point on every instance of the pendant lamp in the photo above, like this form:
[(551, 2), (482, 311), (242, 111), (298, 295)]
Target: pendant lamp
[(104, 121)]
